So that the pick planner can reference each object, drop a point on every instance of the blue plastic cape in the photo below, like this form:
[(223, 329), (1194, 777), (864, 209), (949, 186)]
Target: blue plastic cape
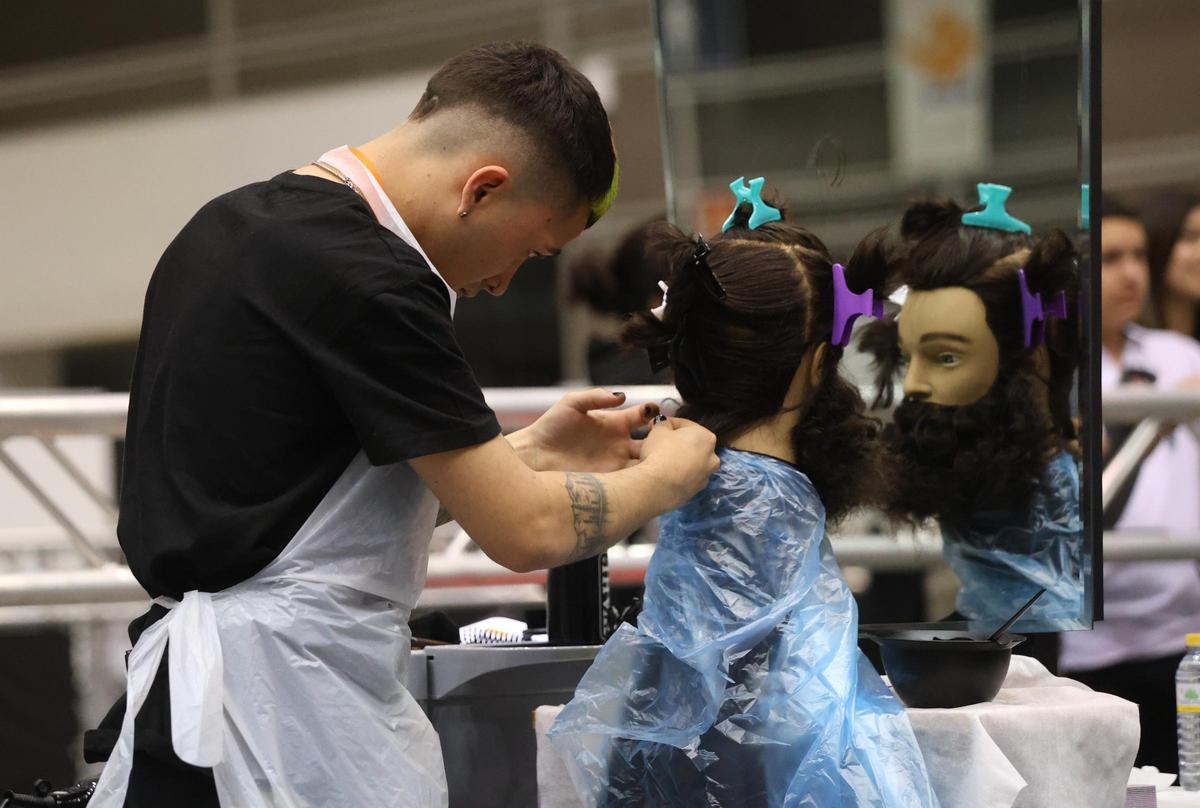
[(1001, 561), (743, 684)]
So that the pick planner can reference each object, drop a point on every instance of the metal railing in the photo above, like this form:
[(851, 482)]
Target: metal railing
[(459, 565), (1133, 404), (1157, 415)]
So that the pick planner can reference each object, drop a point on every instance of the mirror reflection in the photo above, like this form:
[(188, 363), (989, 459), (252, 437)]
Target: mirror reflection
[(940, 141), (986, 348)]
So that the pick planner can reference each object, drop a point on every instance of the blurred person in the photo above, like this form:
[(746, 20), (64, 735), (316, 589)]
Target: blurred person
[(1172, 220), (1149, 606), (613, 285), (300, 406)]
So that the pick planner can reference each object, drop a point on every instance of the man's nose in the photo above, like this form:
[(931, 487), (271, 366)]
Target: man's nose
[(1131, 272)]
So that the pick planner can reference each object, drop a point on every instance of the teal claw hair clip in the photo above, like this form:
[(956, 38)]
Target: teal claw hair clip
[(993, 215), (763, 212)]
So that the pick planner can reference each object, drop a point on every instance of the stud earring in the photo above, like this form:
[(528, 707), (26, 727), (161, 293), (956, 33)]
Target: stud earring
[(462, 214)]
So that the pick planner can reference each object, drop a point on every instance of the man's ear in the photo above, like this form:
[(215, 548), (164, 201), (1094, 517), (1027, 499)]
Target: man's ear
[(482, 183)]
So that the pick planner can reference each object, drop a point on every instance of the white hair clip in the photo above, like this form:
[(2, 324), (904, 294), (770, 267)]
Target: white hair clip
[(899, 296), (659, 310)]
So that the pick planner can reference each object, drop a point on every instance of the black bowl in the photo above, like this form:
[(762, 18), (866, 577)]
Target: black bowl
[(939, 668)]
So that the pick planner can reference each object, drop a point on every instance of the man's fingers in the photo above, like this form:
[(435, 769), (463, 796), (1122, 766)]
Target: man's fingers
[(596, 398), (634, 417)]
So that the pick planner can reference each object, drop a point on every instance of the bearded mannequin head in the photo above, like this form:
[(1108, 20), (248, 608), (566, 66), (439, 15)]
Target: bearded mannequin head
[(983, 411)]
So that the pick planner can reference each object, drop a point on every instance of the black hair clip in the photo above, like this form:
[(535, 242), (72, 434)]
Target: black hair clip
[(660, 355), (708, 279), (664, 351)]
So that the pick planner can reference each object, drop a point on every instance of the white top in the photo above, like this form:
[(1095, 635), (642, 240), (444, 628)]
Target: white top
[(1149, 606)]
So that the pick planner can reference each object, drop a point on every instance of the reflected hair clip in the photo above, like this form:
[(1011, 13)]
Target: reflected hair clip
[(849, 306), (752, 194), (1035, 314), (994, 215)]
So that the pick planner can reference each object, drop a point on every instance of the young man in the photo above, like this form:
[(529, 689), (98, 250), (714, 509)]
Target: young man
[(1149, 606), (299, 408)]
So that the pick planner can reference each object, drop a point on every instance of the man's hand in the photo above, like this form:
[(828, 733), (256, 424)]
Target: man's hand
[(681, 454), (584, 432), (528, 520)]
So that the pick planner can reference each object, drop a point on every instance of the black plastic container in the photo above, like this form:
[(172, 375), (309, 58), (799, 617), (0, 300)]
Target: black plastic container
[(944, 668), (577, 603)]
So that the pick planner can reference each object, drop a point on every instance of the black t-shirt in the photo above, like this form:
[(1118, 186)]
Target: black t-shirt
[(284, 330)]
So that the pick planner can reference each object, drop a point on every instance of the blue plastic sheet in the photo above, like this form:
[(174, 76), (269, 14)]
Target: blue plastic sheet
[(742, 684), (1002, 560)]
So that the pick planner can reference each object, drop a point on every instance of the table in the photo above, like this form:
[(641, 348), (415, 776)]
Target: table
[(1044, 742)]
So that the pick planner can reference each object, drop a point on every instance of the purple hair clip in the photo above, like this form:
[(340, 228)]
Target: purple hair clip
[(848, 306), (1035, 314)]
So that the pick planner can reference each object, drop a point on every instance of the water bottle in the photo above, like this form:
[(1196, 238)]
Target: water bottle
[(1187, 708)]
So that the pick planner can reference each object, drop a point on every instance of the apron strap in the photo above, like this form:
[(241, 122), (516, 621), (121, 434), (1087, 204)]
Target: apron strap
[(195, 667), (344, 159)]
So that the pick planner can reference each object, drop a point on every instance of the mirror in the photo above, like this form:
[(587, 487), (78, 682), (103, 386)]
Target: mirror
[(852, 112)]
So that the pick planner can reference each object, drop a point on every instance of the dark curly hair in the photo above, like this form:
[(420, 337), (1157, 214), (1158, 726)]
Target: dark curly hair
[(946, 459), (734, 357), (934, 250), (956, 463)]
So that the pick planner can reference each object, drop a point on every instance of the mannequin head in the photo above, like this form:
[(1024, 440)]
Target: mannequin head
[(951, 356), (763, 349), (621, 280), (976, 397)]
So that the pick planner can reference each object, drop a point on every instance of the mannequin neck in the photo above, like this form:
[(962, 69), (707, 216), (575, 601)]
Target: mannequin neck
[(772, 436)]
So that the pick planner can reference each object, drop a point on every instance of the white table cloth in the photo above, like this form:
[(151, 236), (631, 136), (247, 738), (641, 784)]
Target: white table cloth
[(1044, 742)]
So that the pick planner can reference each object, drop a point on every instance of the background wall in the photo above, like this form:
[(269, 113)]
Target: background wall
[(1150, 112), (114, 132)]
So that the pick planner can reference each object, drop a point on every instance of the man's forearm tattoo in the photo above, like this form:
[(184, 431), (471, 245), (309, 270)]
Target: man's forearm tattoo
[(589, 510)]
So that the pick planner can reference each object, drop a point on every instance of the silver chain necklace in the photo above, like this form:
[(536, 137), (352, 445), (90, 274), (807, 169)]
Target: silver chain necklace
[(349, 183)]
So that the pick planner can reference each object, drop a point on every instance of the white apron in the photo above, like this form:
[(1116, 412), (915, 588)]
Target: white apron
[(289, 685)]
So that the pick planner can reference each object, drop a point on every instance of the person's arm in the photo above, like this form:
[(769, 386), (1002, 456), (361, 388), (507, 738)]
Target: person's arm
[(527, 520), (584, 431)]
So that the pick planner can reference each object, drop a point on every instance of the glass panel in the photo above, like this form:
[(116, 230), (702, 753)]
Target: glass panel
[(851, 111)]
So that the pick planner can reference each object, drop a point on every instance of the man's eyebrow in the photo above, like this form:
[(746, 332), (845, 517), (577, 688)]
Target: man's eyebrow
[(946, 335)]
